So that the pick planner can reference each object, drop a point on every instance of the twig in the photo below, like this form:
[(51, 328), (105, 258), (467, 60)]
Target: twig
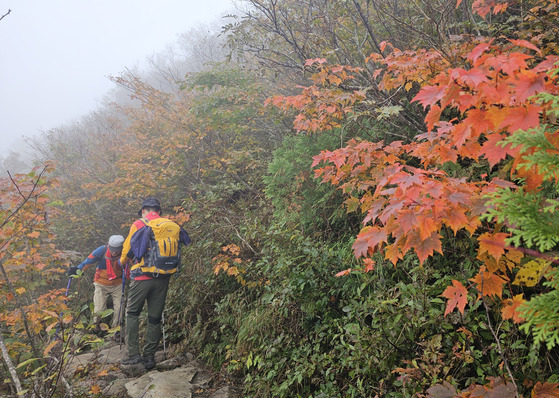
[(239, 235), (501, 353), (2, 17), (25, 199)]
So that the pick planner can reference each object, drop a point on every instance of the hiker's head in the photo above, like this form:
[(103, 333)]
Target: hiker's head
[(149, 205), (115, 244)]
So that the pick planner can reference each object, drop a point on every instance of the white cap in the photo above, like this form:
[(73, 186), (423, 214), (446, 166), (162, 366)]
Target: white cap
[(116, 242)]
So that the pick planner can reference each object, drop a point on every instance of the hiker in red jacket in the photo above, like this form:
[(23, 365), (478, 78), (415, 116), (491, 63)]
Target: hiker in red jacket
[(108, 277)]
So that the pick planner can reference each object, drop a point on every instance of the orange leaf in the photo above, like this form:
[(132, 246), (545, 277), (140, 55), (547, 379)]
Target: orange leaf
[(427, 247), (369, 264), (488, 283), (494, 244), (50, 347), (546, 390), (343, 273), (457, 296), (510, 307)]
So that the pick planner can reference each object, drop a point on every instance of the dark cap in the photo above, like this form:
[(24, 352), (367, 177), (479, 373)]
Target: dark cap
[(149, 202)]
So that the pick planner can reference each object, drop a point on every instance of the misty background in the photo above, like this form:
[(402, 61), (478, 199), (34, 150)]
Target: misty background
[(59, 60)]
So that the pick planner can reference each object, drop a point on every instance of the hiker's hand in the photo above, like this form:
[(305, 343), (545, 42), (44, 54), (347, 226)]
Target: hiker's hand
[(73, 270)]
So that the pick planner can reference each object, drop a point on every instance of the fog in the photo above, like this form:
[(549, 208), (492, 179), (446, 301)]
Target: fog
[(57, 56)]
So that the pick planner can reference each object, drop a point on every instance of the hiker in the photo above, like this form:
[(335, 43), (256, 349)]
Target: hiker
[(149, 278), (107, 280)]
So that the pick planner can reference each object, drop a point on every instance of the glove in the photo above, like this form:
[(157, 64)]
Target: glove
[(73, 270)]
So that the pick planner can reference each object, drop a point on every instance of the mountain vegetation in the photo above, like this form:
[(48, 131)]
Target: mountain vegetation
[(371, 189)]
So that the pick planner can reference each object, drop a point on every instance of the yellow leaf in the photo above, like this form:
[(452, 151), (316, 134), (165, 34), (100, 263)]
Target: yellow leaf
[(20, 290), (95, 389), (531, 272)]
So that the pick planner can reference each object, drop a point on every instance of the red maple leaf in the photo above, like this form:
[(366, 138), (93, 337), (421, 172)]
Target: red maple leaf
[(457, 296), (508, 63), (426, 247), (368, 238), (525, 44), (433, 116), (478, 121), (529, 83), (522, 118), (408, 220), (471, 78), (462, 132), (429, 95), (478, 50), (493, 152)]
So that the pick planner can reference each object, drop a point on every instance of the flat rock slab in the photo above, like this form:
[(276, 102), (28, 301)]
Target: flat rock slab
[(105, 359), (174, 383), (225, 392)]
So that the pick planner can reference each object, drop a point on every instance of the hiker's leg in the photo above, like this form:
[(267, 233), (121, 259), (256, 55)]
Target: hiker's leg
[(116, 295), (99, 301), (156, 303), (136, 297)]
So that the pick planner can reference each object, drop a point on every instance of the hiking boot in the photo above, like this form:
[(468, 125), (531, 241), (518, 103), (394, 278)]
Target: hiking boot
[(149, 362), (132, 360)]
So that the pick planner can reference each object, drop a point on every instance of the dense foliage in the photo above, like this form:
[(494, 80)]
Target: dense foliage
[(371, 189)]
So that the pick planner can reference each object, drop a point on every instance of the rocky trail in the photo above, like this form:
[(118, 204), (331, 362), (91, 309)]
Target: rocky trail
[(99, 373)]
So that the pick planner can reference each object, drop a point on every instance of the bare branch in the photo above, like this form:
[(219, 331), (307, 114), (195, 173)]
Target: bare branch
[(6, 14), (9, 364)]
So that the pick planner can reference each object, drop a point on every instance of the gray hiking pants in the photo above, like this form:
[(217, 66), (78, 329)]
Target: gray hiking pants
[(154, 291)]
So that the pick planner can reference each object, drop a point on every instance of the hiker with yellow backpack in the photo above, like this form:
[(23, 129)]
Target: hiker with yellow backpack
[(152, 250)]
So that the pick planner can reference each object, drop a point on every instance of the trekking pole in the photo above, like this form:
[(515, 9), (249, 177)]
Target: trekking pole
[(163, 330), (124, 272)]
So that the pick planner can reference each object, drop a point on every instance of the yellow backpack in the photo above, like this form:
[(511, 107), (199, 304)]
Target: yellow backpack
[(159, 245)]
